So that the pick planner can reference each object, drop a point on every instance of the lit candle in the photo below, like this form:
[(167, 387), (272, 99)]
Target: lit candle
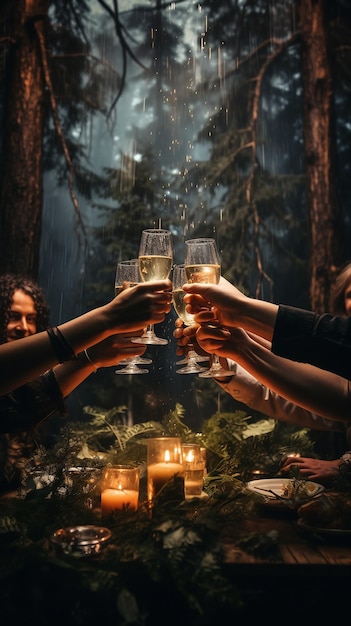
[(164, 465), (191, 452), (119, 488), (112, 499), (193, 477), (189, 458), (258, 474), (194, 466), (159, 474)]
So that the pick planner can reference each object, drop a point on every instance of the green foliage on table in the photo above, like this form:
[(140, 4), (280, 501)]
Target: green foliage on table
[(161, 566)]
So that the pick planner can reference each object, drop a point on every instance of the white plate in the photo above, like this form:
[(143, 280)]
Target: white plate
[(273, 488)]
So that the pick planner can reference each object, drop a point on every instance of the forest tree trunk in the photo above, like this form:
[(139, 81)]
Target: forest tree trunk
[(21, 185), (322, 201)]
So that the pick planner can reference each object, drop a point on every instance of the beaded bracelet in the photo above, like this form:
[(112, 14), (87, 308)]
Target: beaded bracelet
[(62, 348)]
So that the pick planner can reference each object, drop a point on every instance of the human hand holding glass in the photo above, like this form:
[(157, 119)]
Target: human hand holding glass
[(202, 265), (190, 362), (128, 275), (155, 263)]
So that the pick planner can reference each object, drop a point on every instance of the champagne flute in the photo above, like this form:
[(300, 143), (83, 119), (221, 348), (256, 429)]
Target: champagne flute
[(127, 274), (191, 365), (202, 265), (155, 263)]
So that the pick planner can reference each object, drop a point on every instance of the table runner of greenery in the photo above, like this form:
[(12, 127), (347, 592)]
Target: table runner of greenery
[(158, 567)]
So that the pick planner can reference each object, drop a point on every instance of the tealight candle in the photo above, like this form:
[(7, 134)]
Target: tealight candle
[(194, 478), (164, 464), (119, 488), (258, 474), (112, 499), (194, 467), (191, 452)]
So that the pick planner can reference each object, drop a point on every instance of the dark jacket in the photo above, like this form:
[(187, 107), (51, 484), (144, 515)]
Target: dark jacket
[(322, 340), (21, 413)]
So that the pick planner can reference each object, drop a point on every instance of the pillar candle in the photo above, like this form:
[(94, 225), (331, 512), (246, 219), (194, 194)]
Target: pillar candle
[(112, 499), (158, 474)]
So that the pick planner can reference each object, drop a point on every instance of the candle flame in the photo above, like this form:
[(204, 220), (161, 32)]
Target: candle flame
[(167, 456), (190, 457)]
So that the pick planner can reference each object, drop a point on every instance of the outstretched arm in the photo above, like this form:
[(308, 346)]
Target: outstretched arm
[(314, 389), (107, 353), (134, 308), (245, 388), (296, 334), (233, 308)]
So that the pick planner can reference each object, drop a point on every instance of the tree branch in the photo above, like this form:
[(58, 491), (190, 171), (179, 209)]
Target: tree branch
[(70, 169)]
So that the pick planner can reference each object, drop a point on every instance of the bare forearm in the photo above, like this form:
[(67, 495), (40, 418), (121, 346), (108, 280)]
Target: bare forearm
[(232, 307), (245, 388), (257, 317), (130, 311), (25, 359), (70, 375), (314, 389)]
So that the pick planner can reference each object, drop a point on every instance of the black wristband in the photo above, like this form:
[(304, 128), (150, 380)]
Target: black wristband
[(62, 348)]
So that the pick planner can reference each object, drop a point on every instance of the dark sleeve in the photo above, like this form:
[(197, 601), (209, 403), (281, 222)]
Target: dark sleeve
[(322, 340), (27, 406)]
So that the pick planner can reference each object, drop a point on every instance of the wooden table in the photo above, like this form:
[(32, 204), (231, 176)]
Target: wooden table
[(297, 546), (305, 580), (310, 577)]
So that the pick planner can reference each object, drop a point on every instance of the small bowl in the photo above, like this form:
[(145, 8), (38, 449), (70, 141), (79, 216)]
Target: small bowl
[(81, 540)]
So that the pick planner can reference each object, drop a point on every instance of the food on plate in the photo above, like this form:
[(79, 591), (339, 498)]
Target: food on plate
[(286, 492), (296, 489), (327, 510)]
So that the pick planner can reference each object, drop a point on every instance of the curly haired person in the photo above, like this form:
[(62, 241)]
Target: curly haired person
[(30, 347)]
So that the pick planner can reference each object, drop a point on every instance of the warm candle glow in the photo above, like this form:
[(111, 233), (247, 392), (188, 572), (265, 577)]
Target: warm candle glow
[(119, 488), (190, 457), (193, 477), (164, 467), (159, 474), (113, 499)]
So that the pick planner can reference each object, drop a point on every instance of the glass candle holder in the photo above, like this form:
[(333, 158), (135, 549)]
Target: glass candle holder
[(119, 488), (165, 468), (193, 478), (191, 452), (204, 458), (258, 474), (84, 480)]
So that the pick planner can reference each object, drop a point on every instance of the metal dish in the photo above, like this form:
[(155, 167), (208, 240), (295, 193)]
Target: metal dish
[(81, 540)]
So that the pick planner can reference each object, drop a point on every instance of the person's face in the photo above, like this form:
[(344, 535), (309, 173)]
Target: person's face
[(22, 317), (347, 300)]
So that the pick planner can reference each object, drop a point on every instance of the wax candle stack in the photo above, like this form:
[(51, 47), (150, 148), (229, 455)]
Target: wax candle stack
[(194, 467), (165, 472), (119, 488)]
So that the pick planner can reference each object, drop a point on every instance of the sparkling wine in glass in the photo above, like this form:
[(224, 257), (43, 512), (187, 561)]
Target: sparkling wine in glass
[(155, 263), (127, 275), (190, 362), (202, 265)]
